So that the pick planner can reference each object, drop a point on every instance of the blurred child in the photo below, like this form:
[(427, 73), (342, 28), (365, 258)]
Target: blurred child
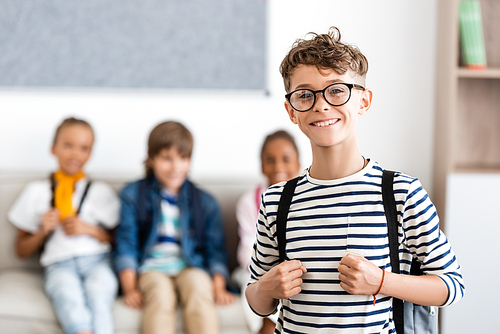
[(69, 217), (279, 158), (170, 241)]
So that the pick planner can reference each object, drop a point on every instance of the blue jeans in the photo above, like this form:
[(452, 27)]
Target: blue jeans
[(83, 291)]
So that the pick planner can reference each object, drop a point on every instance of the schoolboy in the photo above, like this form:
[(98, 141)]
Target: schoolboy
[(337, 276), (175, 252), (74, 233)]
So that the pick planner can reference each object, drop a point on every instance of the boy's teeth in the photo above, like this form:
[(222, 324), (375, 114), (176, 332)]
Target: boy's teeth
[(325, 123)]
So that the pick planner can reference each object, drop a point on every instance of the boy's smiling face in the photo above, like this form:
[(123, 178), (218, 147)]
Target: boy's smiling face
[(170, 168), (324, 124)]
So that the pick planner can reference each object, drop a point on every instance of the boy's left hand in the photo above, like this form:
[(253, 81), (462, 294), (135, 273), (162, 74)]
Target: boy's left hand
[(74, 226), (222, 296), (358, 276)]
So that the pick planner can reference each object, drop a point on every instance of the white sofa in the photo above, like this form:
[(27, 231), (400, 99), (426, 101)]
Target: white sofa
[(24, 308)]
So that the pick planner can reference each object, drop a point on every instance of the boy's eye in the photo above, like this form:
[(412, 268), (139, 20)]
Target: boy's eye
[(304, 94), (336, 90)]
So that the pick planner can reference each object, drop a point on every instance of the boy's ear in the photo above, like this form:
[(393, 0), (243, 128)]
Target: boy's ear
[(365, 102), (291, 112)]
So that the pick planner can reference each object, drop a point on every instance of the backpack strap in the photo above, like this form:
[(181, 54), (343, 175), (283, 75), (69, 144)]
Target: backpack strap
[(196, 211), (53, 190), (392, 233), (143, 214), (282, 215), (83, 197)]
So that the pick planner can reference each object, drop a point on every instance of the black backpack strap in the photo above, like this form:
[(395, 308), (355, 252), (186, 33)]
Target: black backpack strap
[(196, 211), (83, 197), (392, 233), (282, 215), (143, 215), (53, 190)]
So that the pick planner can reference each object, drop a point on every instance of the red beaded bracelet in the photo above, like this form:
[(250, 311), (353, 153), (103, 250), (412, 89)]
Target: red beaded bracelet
[(380, 288)]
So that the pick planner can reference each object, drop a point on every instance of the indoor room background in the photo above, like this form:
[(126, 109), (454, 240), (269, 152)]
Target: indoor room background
[(399, 38)]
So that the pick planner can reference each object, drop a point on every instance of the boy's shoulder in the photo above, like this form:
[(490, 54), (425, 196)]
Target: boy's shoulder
[(204, 194), (130, 189), (372, 174)]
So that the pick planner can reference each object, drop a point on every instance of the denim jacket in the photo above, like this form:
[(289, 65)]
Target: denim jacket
[(133, 244)]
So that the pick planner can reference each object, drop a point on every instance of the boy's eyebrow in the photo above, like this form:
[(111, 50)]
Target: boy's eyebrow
[(305, 85)]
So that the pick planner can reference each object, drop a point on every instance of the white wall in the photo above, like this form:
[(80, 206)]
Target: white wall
[(472, 225), (397, 36)]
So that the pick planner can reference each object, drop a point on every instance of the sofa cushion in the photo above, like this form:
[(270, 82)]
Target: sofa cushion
[(24, 308)]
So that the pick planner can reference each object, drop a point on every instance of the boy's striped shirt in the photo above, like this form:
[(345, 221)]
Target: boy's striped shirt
[(329, 219)]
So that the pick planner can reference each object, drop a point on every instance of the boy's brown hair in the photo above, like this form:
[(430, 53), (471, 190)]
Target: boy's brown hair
[(325, 51), (70, 122), (166, 135)]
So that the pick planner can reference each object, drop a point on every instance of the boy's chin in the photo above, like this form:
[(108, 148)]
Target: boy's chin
[(172, 184)]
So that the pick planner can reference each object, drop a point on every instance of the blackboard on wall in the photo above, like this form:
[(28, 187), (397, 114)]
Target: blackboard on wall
[(188, 44)]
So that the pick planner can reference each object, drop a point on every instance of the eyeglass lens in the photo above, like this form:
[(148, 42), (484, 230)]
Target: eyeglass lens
[(304, 99)]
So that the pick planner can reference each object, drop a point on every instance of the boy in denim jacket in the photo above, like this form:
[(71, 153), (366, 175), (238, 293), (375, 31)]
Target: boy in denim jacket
[(170, 241)]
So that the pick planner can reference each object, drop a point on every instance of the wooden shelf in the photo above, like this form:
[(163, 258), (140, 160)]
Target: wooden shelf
[(488, 73), (467, 127), (476, 170)]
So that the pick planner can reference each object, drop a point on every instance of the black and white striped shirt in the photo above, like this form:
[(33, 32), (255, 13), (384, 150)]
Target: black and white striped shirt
[(329, 219)]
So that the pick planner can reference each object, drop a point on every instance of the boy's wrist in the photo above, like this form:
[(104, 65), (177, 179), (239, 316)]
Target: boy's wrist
[(130, 290), (263, 295)]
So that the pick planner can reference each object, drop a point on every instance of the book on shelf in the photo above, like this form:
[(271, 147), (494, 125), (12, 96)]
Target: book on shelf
[(471, 34)]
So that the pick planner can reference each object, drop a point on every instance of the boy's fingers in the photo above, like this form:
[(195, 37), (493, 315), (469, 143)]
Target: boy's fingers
[(293, 264), (350, 259), (289, 266), (296, 273), (296, 282), (295, 291)]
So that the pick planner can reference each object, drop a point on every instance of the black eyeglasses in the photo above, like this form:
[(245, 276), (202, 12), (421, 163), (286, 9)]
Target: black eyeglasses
[(336, 94)]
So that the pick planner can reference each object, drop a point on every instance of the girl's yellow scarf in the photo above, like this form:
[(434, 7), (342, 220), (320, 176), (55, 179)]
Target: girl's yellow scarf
[(65, 186)]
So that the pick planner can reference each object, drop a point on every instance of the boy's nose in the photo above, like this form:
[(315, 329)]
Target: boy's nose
[(320, 104)]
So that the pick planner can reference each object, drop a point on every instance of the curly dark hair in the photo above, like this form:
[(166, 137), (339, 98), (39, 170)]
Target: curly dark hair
[(280, 134), (325, 51)]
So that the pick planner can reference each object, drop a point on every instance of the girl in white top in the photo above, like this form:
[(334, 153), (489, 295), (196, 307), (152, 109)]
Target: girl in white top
[(280, 161), (76, 242)]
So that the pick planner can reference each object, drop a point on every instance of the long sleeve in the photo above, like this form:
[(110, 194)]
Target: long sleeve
[(247, 215), (428, 243)]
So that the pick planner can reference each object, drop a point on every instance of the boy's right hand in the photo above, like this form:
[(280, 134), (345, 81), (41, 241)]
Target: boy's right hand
[(283, 281), (49, 221), (133, 299)]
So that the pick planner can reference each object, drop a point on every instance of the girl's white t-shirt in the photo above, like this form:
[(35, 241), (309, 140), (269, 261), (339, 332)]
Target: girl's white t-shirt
[(101, 206)]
